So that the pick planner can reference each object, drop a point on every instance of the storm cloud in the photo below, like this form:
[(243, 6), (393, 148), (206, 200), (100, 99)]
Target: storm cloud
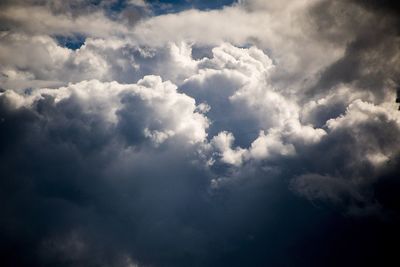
[(199, 133)]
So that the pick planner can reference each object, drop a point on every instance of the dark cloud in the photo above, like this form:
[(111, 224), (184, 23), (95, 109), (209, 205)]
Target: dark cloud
[(68, 169), (220, 166), (369, 29), (76, 193), (389, 7)]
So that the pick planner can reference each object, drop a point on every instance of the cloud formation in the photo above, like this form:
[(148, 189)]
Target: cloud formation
[(253, 134)]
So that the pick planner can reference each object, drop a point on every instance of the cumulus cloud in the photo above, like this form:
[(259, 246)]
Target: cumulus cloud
[(151, 108), (255, 134)]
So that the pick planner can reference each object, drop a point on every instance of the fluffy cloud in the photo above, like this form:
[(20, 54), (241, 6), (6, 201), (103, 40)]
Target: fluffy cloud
[(151, 108), (41, 19), (225, 137)]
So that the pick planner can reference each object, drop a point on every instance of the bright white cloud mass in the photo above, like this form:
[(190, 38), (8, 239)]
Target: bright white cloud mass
[(199, 133)]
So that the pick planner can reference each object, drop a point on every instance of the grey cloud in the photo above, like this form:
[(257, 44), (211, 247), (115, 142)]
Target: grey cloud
[(43, 21), (371, 38), (333, 190), (91, 184), (272, 140)]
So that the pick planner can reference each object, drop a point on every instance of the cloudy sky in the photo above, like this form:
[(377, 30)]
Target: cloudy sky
[(199, 133)]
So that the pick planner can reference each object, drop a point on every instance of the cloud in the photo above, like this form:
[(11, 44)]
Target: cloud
[(366, 63), (223, 142), (159, 109), (335, 191), (40, 20), (254, 134), (89, 124)]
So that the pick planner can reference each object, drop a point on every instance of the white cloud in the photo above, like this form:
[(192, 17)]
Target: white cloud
[(359, 112), (140, 3), (242, 77), (172, 113), (281, 31), (269, 145), (223, 143), (40, 20)]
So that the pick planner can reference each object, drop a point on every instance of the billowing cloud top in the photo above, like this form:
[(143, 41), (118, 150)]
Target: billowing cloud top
[(199, 133)]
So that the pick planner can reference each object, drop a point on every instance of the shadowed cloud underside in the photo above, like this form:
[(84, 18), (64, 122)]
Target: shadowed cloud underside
[(199, 133)]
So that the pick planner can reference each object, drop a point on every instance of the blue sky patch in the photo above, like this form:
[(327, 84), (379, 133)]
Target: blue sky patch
[(73, 42)]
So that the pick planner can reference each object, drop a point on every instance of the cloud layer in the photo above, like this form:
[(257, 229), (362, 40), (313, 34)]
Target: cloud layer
[(254, 134)]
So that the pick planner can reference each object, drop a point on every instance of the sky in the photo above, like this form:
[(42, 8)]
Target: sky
[(195, 133)]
